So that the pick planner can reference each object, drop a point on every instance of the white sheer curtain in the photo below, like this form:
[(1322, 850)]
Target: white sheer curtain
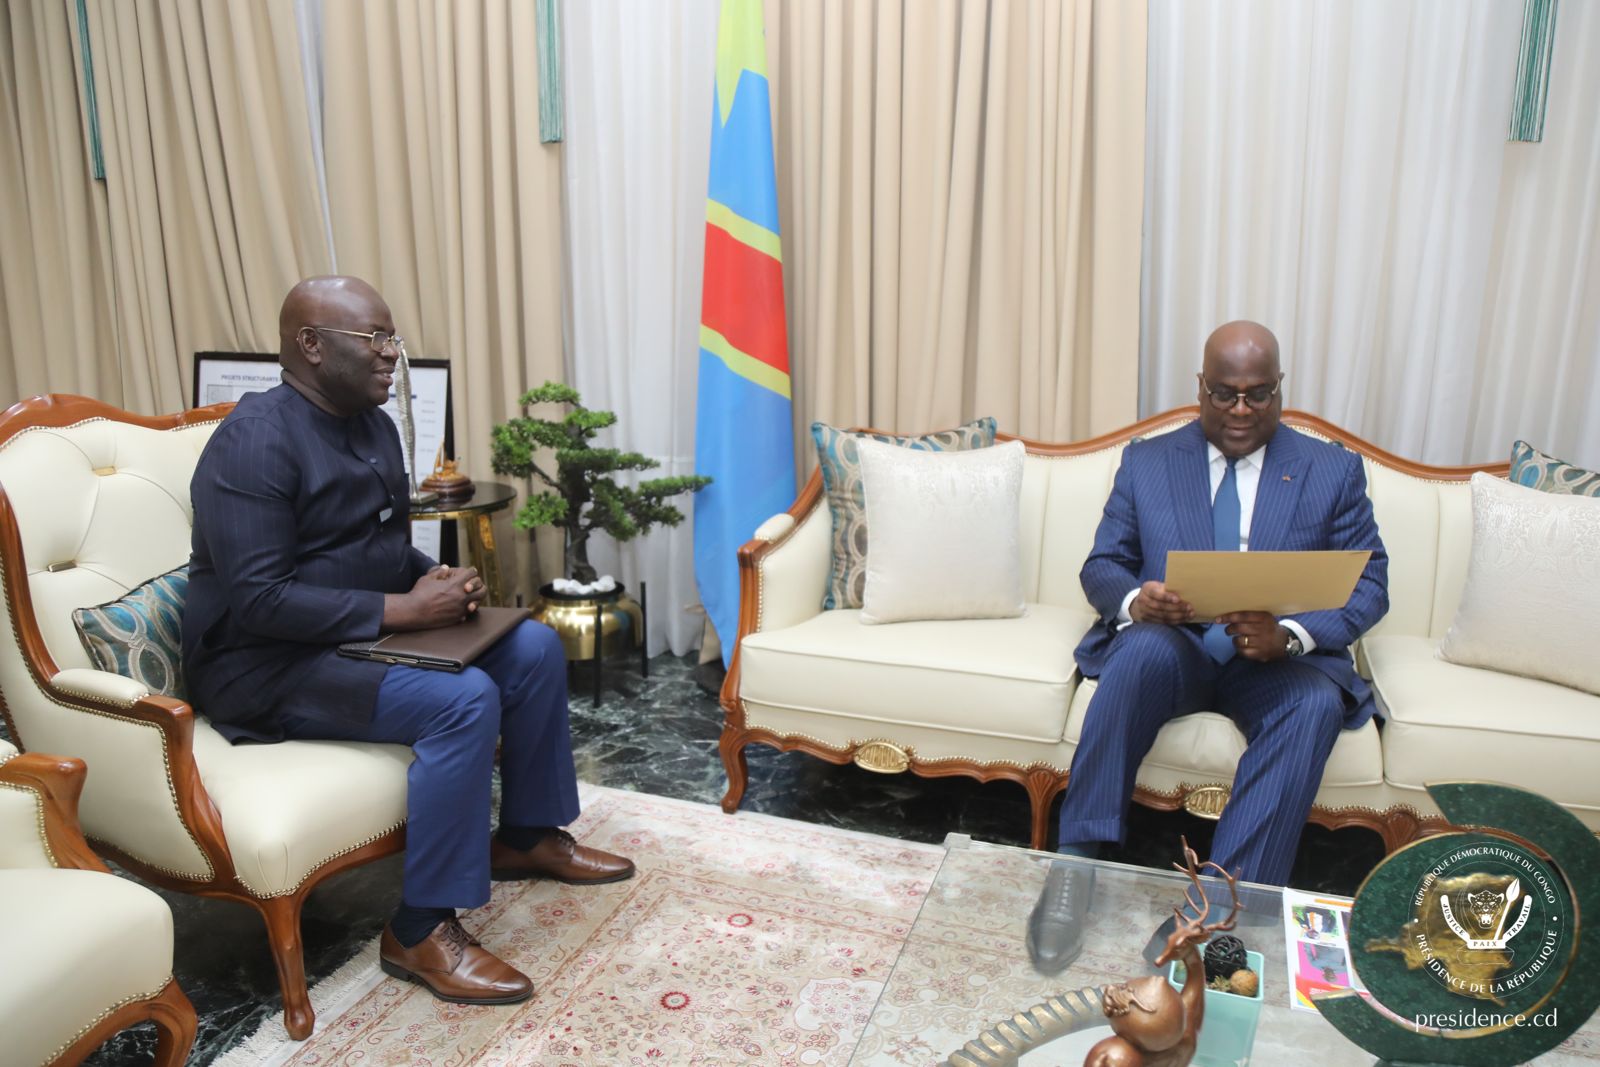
[(638, 128), (1339, 171)]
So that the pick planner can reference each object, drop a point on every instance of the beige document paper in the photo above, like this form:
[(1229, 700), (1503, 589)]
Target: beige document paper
[(1284, 583)]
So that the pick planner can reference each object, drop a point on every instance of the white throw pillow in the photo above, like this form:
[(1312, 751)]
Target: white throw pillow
[(950, 541), (1531, 604)]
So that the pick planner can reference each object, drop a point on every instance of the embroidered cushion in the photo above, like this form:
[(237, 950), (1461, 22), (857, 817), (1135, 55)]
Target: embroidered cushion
[(946, 533), (1534, 469), (1527, 607), (140, 635), (840, 460)]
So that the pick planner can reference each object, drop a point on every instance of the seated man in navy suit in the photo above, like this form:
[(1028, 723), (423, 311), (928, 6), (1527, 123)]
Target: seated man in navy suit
[(302, 542), (1235, 479)]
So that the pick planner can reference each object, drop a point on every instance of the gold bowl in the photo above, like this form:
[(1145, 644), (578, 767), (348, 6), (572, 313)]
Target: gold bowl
[(617, 616)]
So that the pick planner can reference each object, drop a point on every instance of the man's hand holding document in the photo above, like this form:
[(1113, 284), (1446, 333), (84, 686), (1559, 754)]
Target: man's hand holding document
[(1280, 583)]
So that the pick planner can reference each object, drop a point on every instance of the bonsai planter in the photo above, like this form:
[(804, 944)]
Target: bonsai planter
[(595, 627)]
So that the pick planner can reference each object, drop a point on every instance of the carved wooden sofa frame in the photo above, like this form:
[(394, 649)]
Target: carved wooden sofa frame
[(1043, 780)]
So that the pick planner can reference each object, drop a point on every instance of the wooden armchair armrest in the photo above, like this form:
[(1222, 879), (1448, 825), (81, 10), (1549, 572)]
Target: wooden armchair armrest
[(117, 697), (56, 782), (783, 573), (101, 687)]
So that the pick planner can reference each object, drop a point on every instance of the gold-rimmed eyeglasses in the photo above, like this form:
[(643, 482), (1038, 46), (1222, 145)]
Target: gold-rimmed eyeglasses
[(377, 339), (1257, 398)]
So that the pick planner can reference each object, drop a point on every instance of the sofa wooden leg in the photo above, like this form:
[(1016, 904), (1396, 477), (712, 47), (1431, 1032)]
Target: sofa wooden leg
[(175, 1025), (733, 762), (1042, 786), (282, 915)]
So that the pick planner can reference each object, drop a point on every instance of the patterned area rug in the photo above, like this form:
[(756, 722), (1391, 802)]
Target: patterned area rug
[(743, 939)]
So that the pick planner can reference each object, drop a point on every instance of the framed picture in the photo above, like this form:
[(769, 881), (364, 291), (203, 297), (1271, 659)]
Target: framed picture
[(226, 376)]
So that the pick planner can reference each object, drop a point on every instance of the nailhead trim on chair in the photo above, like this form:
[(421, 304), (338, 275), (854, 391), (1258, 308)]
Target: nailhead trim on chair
[(49, 693), (87, 695), (92, 1023), (172, 792), (38, 813), (761, 565), (343, 851)]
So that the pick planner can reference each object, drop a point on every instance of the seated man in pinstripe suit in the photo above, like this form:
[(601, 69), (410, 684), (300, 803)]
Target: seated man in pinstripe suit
[(302, 541), (1235, 479)]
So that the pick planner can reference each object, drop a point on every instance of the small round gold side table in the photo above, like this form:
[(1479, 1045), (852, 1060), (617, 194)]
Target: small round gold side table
[(596, 627), (477, 512)]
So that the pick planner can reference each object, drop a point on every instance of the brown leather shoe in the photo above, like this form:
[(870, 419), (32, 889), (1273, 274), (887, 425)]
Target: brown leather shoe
[(559, 857), (452, 964)]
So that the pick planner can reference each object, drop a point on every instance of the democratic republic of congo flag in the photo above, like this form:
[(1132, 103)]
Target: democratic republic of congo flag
[(743, 419)]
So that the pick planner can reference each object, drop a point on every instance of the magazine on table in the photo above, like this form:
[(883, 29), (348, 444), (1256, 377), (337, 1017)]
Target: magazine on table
[(1316, 931)]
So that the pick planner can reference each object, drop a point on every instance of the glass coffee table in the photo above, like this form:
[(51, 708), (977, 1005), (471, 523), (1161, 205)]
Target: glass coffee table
[(964, 966)]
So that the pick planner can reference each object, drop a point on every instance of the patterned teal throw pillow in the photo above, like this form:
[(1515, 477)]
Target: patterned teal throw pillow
[(140, 635), (840, 460), (1534, 469)]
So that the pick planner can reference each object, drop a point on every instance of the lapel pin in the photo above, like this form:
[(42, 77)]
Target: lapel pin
[(1287, 478)]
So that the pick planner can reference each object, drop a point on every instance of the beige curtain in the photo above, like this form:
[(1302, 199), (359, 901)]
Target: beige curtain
[(212, 201), (960, 188), (442, 196), (55, 315)]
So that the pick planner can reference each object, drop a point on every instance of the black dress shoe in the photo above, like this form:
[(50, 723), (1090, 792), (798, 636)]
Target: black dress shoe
[(1055, 928)]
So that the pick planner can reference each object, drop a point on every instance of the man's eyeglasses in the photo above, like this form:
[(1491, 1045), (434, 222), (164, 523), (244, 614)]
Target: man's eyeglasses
[(1257, 399), (378, 339)]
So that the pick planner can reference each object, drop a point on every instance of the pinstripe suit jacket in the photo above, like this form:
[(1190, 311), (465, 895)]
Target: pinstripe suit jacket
[(300, 528), (1311, 495)]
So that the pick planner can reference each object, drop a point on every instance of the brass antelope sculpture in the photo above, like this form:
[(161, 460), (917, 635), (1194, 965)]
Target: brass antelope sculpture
[(1152, 1024)]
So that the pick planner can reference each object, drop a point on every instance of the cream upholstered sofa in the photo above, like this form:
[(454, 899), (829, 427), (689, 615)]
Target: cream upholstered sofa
[(87, 953), (1002, 699), (93, 502)]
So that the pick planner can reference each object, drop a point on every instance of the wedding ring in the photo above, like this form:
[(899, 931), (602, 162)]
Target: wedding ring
[(1247, 642)]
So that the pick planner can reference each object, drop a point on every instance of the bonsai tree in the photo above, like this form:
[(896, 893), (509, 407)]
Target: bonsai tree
[(582, 496)]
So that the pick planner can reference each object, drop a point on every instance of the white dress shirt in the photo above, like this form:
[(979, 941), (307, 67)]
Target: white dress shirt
[(1246, 478)]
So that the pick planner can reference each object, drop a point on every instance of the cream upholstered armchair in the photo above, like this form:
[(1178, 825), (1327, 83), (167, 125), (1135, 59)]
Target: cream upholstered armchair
[(94, 502), (98, 948)]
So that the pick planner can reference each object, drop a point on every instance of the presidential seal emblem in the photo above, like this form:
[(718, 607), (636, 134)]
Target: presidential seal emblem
[(1489, 919), (1470, 943)]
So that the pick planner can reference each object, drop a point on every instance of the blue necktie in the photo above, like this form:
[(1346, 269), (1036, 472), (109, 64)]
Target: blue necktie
[(1224, 538)]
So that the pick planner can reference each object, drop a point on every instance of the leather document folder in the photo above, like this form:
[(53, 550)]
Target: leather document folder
[(449, 648), (1284, 583)]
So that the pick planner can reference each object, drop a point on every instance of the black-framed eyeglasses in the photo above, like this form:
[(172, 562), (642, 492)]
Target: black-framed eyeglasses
[(1257, 398), (377, 339)]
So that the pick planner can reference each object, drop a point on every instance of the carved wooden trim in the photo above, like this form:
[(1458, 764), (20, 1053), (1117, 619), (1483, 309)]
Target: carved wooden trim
[(281, 915), (1291, 416), (1040, 780), (58, 782), (175, 720), (169, 1009), (751, 554), (65, 409), (1307, 421), (1397, 825)]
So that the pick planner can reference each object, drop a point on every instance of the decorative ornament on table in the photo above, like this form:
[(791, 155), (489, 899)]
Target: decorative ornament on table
[(408, 425), (1224, 956), (447, 481), (1153, 1024), (1244, 982), (1482, 924)]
